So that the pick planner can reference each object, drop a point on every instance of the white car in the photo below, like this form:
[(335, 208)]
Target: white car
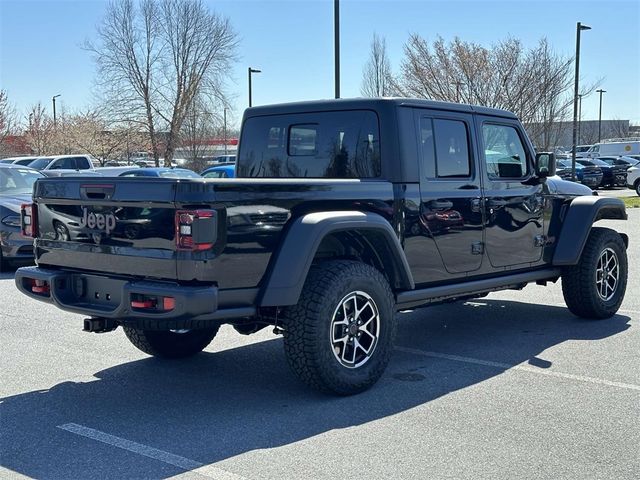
[(63, 162), (633, 179)]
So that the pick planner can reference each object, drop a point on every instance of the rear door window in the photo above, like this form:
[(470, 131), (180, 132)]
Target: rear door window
[(311, 145)]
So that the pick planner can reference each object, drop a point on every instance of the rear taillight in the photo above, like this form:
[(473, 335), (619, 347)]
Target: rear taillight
[(195, 229), (29, 219)]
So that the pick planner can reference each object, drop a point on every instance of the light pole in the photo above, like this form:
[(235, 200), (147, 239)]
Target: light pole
[(224, 129), (54, 110), (251, 70), (580, 95), (336, 44), (579, 28), (600, 91)]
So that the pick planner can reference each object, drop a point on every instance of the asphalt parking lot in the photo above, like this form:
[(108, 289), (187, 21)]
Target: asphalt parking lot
[(508, 386)]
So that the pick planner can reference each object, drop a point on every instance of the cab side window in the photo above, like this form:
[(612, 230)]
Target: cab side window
[(504, 153), (445, 148)]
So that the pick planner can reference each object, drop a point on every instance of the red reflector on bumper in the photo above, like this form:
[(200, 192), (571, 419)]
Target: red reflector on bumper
[(168, 303), (143, 303)]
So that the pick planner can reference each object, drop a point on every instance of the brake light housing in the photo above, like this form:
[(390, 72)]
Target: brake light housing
[(196, 230), (29, 220)]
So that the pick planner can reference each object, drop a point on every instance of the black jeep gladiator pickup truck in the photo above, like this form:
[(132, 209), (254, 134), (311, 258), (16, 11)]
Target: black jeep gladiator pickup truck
[(343, 212)]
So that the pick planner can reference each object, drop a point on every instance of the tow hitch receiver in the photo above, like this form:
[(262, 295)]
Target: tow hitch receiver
[(99, 325)]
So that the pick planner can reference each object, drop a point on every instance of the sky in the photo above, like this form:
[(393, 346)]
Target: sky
[(291, 42)]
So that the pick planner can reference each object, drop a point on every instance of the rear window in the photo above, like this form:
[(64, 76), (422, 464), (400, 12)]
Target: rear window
[(312, 145)]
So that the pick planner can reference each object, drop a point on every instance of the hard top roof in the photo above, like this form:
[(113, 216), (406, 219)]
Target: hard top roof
[(372, 104)]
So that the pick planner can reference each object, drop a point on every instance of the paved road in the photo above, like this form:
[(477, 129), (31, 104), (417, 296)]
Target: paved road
[(616, 192), (510, 386)]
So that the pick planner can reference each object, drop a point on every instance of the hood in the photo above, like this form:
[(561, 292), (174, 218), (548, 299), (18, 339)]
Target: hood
[(563, 187), (13, 202)]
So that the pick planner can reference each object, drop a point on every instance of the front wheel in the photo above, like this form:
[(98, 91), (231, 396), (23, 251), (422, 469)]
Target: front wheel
[(595, 287), (339, 337), (638, 187), (170, 343)]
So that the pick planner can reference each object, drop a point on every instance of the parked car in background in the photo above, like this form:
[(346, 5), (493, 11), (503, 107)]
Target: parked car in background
[(581, 150), (623, 161), (612, 175), (24, 161), (224, 159), (221, 171), (161, 172), (145, 163), (115, 171), (633, 179), (16, 187), (63, 162), (590, 176), (614, 149)]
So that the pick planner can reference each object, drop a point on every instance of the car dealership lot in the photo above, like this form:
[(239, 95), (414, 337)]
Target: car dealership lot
[(511, 385)]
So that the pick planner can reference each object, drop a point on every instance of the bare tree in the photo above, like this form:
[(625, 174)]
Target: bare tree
[(89, 132), (8, 121), (376, 75), (40, 133), (535, 84), (155, 56), (199, 126)]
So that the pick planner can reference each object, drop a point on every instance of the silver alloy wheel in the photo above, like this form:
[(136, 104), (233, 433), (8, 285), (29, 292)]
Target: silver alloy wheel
[(354, 330), (607, 274)]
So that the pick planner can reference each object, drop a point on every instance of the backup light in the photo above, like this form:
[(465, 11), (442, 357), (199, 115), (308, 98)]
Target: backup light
[(195, 229), (29, 220)]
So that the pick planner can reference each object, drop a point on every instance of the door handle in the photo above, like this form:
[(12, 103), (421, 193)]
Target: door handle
[(440, 205)]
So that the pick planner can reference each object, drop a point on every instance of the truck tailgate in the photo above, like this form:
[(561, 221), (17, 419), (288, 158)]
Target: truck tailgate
[(119, 226)]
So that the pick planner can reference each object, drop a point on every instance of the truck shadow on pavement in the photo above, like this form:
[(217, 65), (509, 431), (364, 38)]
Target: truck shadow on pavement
[(219, 405)]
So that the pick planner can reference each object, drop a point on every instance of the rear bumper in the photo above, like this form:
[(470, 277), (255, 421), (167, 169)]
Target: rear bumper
[(111, 297)]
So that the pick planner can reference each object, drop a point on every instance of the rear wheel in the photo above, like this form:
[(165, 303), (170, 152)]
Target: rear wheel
[(595, 287), (339, 337), (638, 187), (170, 343)]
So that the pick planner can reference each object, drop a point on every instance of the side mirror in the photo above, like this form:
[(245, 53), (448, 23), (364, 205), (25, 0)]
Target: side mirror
[(545, 164)]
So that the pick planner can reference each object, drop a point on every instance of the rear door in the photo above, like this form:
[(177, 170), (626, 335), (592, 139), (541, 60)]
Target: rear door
[(450, 209), (513, 205)]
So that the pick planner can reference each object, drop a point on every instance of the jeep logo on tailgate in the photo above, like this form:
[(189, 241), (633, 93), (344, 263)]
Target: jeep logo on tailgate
[(98, 221)]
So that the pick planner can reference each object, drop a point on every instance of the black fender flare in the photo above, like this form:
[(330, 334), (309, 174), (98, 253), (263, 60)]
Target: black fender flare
[(582, 213), (293, 259)]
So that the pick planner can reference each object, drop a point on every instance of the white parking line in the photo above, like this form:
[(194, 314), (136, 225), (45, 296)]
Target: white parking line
[(144, 450), (507, 366)]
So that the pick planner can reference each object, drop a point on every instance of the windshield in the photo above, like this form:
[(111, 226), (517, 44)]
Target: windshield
[(177, 173), (599, 163), (40, 163), (17, 181), (630, 161), (567, 164)]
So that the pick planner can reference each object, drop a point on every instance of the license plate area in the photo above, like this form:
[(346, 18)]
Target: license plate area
[(90, 291)]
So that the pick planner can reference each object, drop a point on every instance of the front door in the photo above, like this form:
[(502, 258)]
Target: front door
[(450, 207), (513, 203)]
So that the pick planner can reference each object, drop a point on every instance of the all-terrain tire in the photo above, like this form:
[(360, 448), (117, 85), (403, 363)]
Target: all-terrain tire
[(604, 256), (334, 293), (170, 344)]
